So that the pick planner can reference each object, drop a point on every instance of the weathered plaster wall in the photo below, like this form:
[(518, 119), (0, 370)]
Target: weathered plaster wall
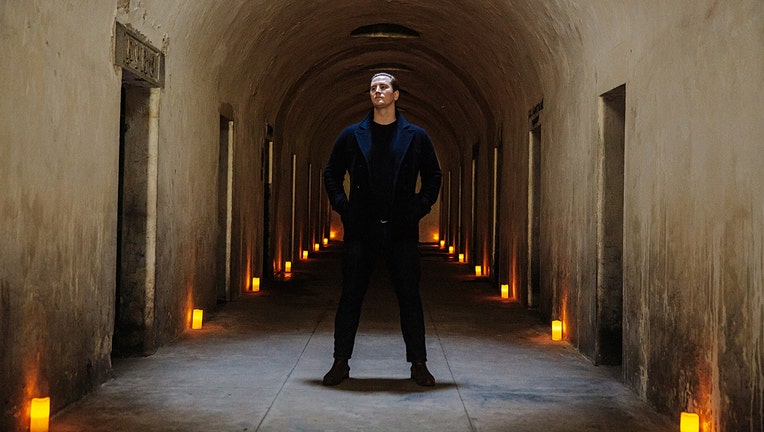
[(693, 230), (60, 153), (189, 133), (58, 203), (693, 213), (693, 210), (247, 233)]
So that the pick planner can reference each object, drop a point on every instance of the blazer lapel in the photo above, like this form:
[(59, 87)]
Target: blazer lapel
[(363, 137), (401, 144)]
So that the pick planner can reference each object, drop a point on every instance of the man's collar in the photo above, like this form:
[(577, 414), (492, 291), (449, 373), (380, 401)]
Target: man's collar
[(366, 122)]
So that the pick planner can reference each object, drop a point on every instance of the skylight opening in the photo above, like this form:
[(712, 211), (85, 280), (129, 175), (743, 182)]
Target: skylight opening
[(388, 67), (384, 30)]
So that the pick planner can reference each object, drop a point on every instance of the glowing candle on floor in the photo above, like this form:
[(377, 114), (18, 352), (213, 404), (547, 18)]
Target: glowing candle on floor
[(450, 250), (478, 270), (196, 319), (505, 291), (255, 284), (316, 247), (304, 254), (461, 257), (39, 415), (689, 422), (332, 234), (556, 330), (442, 244), (436, 237), (288, 267), (326, 241)]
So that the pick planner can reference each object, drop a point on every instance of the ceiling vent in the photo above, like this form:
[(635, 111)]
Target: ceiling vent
[(384, 30), (388, 67)]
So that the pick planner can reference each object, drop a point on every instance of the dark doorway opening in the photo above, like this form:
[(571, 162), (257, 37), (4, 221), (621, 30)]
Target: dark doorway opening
[(534, 217), (223, 241), (472, 243), (609, 339), (267, 170), (131, 334)]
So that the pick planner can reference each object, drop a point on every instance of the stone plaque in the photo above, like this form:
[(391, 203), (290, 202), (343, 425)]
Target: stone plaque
[(144, 62), (534, 115)]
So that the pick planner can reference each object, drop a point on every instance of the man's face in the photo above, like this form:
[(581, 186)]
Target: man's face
[(381, 92)]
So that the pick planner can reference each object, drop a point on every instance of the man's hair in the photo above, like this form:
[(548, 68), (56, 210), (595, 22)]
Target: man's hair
[(393, 80)]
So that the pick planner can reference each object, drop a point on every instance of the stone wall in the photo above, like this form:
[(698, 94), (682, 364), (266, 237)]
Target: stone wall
[(692, 209), (692, 229), (59, 142)]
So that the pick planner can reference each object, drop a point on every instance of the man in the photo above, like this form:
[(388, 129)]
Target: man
[(384, 155)]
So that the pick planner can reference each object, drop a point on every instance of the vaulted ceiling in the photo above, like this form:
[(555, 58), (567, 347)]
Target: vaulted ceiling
[(461, 63)]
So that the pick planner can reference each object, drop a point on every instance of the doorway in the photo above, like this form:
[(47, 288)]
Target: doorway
[(471, 246), (534, 213), (266, 159), (609, 338), (136, 223), (225, 204)]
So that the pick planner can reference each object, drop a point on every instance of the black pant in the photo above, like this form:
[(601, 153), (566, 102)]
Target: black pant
[(402, 259)]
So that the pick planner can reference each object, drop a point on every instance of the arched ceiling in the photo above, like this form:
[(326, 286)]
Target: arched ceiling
[(309, 76)]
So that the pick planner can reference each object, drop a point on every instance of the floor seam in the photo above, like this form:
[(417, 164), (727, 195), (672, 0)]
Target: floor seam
[(291, 371), (451, 372)]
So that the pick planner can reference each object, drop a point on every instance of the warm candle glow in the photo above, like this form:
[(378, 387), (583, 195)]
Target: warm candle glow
[(316, 247), (304, 254), (326, 241), (478, 270), (436, 237), (461, 257), (450, 250), (39, 415), (255, 284), (332, 234), (288, 267), (505, 291), (442, 244), (196, 319), (556, 330), (689, 422)]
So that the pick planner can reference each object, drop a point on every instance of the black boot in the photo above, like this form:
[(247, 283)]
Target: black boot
[(339, 371), (421, 375)]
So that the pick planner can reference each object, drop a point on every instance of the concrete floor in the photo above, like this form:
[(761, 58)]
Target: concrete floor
[(257, 366)]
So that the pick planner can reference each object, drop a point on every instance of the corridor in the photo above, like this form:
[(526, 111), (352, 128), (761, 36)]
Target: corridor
[(257, 363), (603, 158)]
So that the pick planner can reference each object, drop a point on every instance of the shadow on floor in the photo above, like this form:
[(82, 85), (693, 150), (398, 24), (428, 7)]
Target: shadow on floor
[(399, 386)]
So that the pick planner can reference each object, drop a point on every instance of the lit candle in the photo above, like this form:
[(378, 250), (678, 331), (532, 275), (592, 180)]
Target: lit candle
[(288, 267), (461, 257), (316, 247), (689, 422), (478, 270), (450, 250), (39, 415), (505, 291), (326, 241), (196, 319), (556, 330), (442, 244), (436, 237), (332, 234), (255, 284), (304, 254)]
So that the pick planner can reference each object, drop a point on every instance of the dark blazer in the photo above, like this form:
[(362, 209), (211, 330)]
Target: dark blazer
[(414, 157)]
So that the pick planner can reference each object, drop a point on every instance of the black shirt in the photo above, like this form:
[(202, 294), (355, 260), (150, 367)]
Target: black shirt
[(382, 167)]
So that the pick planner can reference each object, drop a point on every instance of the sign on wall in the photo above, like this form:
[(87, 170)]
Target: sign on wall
[(144, 62)]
